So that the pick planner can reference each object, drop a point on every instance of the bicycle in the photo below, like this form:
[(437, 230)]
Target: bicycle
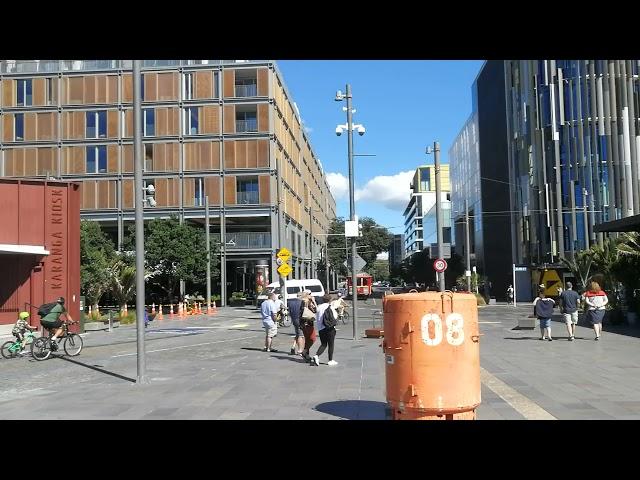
[(283, 318), (13, 348), (41, 349), (343, 317)]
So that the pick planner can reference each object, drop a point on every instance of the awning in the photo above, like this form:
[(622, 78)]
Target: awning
[(628, 224), (23, 249)]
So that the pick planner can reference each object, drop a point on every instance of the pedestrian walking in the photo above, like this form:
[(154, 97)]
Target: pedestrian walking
[(307, 322), (326, 320), (294, 306), (510, 295), (268, 311), (596, 300), (569, 299), (543, 309)]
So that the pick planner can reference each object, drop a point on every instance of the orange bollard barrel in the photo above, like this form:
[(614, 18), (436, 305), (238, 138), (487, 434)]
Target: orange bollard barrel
[(159, 316), (432, 355)]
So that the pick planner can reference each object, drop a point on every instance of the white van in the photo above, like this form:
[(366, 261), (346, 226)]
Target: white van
[(293, 288)]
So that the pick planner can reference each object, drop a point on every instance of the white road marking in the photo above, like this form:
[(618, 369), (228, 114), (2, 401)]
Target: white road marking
[(186, 346), (527, 408)]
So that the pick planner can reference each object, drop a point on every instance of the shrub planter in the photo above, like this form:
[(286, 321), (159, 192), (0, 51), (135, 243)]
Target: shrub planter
[(238, 302), (94, 326)]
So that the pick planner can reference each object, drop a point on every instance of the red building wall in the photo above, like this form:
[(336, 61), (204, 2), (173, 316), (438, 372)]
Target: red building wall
[(35, 212)]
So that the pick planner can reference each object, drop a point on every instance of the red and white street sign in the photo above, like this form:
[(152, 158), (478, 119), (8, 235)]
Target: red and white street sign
[(440, 265)]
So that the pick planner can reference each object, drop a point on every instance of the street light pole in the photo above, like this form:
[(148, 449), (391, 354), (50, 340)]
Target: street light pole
[(206, 221), (436, 155), (352, 209), (467, 244), (311, 238), (139, 217)]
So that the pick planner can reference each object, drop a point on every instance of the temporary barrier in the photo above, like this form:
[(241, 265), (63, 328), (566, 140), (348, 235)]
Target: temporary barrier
[(432, 355)]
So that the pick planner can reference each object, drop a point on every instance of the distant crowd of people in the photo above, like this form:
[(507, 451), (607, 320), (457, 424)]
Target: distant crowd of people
[(309, 318)]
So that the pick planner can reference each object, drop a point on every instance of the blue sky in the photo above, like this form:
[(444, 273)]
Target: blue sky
[(404, 105)]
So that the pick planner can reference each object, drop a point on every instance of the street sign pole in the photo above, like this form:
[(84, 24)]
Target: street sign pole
[(514, 286)]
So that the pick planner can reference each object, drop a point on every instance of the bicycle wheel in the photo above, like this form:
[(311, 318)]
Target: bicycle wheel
[(7, 351), (345, 317), (41, 349), (73, 344), (286, 321)]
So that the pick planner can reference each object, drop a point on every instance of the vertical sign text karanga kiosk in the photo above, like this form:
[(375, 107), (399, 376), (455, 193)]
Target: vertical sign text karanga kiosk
[(39, 247)]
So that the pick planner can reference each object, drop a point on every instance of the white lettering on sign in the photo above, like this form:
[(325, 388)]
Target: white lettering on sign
[(455, 331)]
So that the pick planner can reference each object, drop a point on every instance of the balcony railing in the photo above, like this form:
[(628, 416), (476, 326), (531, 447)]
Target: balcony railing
[(250, 90), (248, 198), (248, 240), (39, 66), (250, 125)]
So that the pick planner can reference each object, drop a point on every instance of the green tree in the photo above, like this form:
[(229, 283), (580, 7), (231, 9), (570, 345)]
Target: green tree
[(175, 252), (630, 245), (604, 258), (97, 254), (580, 266), (380, 270), (123, 281)]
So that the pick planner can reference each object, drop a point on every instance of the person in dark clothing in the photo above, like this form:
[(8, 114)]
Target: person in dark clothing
[(295, 312), (570, 300), (543, 309)]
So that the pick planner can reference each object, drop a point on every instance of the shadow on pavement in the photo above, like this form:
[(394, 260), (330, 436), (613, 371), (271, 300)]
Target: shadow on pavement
[(354, 409), (101, 370)]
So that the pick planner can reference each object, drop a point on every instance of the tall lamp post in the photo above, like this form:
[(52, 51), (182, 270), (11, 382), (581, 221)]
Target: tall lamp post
[(139, 217), (349, 126), (436, 158)]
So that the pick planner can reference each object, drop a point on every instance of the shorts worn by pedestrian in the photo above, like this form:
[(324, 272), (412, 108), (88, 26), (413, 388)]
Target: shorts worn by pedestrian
[(52, 319), (543, 310), (269, 311), (570, 299)]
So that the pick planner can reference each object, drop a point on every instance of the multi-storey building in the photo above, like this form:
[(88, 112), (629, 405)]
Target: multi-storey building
[(420, 214), (574, 146), (396, 251), (224, 129), (480, 182)]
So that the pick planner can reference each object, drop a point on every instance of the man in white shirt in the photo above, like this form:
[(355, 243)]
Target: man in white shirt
[(268, 311)]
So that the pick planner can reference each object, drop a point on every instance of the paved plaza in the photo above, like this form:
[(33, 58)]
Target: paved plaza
[(214, 368)]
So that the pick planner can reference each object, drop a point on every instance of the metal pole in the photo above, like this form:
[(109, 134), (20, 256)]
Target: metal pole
[(139, 216), (515, 301), (223, 258), (436, 154), (352, 208), (467, 243), (206, 221), (313, 275), (326, 266)]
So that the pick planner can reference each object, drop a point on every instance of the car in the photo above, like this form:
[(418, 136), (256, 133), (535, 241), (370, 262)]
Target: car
[(293, 288)]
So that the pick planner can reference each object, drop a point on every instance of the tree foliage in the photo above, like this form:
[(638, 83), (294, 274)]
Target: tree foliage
[(97, 254)]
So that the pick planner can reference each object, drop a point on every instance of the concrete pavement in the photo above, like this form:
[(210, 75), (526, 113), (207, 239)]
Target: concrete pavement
[(213, 368)]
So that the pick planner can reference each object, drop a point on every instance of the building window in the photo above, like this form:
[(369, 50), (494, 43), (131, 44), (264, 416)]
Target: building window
[(148, 158), (246, 87), (25, 93), (191, 121), (19, 126), (96, 124), (246, 122), (149, 122), (198, 193), (425, 180), (97, 159), (188, 86), (248, 190), (52, 95)]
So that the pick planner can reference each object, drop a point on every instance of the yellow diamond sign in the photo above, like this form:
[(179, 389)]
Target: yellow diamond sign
[(284, 254), (285, 269)]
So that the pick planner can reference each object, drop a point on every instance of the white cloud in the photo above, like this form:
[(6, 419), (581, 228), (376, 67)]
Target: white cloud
[(308, 129), (338, 184), (383, 256), (391, 191)]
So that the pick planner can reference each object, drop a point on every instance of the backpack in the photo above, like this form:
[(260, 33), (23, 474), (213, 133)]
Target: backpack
[(329, 318), (46, 308)]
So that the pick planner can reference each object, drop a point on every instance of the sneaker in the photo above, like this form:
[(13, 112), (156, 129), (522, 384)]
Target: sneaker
[(315, 361), (265, 349), (331, 363), (543, 338), (571, 338), (597, 338), (54, 346), (550, 339), (273, 350), (292, 351)]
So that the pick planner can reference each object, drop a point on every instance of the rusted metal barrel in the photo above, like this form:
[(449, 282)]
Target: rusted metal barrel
[(432, 355)]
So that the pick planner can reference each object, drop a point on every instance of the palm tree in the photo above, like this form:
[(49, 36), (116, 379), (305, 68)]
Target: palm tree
[(630, 244), (604, 259), (580, 266), (123, 282)]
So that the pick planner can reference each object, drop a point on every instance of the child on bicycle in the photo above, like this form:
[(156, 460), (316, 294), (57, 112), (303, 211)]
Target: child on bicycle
[(21, 326)]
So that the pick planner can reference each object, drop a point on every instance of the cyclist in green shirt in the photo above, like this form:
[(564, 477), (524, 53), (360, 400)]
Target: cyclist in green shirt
[(52, 319)]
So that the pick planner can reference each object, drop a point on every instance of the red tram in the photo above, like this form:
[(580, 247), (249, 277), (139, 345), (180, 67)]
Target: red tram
[(364, 285)]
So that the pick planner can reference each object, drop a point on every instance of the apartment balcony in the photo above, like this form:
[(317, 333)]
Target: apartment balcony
[(244, 126), (248, 240), (248, 198), (249, 90)]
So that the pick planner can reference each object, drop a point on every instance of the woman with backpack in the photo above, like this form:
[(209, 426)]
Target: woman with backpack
[(326, 320)]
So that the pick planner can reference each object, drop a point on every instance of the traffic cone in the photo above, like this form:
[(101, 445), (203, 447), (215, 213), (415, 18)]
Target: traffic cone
[(214, 308), (89, 310), (153, 308), (159, 316), (171, 309), (180, 310), (209, 309)]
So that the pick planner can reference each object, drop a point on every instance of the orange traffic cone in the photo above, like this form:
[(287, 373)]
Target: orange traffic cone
[(214, 308), (159, 316), (125, 310), (171, 309), (153, 308)]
